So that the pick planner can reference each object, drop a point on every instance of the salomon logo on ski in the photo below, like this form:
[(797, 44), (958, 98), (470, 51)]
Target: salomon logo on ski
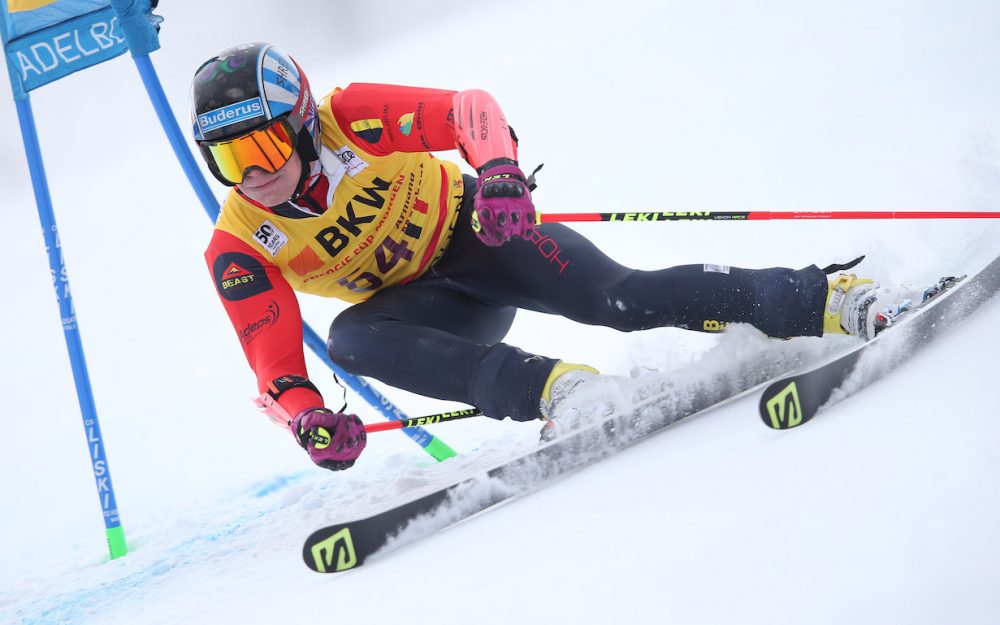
[(336, 553), (785, 409), (796, 399)]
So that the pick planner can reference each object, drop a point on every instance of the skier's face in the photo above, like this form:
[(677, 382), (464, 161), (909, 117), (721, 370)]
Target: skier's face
[(272, 189)]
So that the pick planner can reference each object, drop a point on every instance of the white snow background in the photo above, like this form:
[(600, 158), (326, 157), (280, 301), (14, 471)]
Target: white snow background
[(884, 510)]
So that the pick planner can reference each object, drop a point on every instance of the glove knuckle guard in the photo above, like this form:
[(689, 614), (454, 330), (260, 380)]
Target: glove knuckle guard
[(332, 440), (502, 207)]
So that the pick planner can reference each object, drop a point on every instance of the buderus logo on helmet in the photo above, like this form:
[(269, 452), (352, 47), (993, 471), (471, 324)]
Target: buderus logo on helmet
[(231, 114)]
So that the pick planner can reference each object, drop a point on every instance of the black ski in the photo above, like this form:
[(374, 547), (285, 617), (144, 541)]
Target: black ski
[(796, 399), (344, 546)]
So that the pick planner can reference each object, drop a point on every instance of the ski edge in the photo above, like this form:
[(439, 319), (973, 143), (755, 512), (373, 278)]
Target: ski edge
[(334, 549)]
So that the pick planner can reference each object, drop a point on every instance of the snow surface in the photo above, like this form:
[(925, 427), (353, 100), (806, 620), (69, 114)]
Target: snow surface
[(884, 510)]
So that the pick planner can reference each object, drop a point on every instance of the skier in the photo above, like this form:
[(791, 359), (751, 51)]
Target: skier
[(346, 200)]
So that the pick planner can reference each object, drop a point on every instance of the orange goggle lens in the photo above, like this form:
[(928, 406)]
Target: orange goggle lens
[(267, 148)]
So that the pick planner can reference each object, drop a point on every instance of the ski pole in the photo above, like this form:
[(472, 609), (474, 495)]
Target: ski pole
[(427, 420), (279, 416), (636, 216)]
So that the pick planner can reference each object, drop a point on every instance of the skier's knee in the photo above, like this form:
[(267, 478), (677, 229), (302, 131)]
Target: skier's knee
[(620, 312), (346, 341), (622, 322), (625, 305)]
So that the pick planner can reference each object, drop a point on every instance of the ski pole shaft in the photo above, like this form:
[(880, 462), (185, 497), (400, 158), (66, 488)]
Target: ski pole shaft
[(639, 216), (427, 420)]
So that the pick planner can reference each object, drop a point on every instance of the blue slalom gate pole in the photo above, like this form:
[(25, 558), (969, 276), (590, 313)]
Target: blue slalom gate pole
[(102, 474), (430, 443)]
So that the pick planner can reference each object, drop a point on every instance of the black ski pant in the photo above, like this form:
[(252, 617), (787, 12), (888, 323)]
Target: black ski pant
[(440, 335)]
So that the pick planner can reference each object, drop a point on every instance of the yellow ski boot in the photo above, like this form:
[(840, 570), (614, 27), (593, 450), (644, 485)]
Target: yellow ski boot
[(563, 379), (851, 306)]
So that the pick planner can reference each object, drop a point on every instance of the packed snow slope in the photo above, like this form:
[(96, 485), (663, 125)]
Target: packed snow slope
[(883, 510)]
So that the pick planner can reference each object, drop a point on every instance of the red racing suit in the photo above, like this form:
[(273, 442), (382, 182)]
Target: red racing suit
[(379, 210)]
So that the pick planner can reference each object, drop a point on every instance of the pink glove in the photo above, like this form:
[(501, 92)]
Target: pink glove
[(502, 207), (334, 440)]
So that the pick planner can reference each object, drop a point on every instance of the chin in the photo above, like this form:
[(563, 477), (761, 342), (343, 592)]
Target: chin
[(273, 195), (280, 190)]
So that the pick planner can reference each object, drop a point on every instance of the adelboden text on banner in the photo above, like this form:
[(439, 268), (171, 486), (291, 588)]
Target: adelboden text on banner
[(46, 40)]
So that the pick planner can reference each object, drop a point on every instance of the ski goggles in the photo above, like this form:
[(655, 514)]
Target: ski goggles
[(268, 148)]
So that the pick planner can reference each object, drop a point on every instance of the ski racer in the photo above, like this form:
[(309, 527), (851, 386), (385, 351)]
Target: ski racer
[(345, 199)]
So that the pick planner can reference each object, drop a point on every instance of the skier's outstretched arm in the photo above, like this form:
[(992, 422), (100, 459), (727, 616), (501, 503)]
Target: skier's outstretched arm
[(265, 314)]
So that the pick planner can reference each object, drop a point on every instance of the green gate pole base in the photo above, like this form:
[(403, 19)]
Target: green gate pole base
[(116, 541), (439, 450)]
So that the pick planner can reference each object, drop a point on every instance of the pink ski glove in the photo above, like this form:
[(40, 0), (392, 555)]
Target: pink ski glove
[(334, 440), (502, 207)]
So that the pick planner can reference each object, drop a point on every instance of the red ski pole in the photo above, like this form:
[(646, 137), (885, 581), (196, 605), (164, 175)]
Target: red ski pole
[(758, 215), (279, 416)]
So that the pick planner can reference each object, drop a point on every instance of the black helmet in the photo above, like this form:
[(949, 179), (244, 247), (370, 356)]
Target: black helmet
[(250, 87)]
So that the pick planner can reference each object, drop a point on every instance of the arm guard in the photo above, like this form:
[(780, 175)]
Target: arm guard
[(481, 130)]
